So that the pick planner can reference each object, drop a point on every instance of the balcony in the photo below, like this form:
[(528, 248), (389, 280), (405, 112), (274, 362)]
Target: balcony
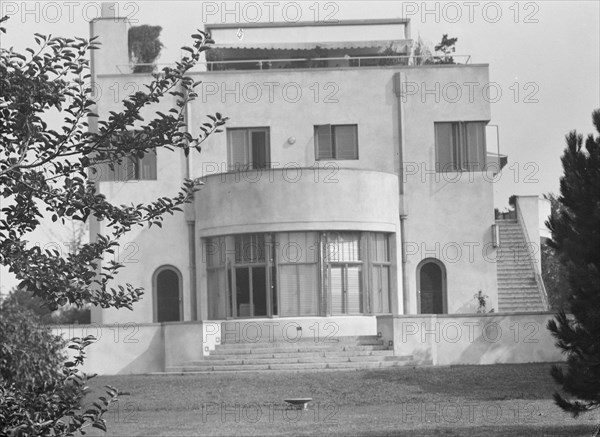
[(494, 159), (288, 199)]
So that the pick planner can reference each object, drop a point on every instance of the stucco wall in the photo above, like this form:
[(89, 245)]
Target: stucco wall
[(121, 348), (438, 340), (472, 339), (317, 329), (132, 348), (449, 215), (291, 102), (144, 250), (295, 200), (529, 215)]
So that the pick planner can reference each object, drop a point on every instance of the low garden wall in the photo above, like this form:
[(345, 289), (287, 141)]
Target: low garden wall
[(471, 339), (133, 348)]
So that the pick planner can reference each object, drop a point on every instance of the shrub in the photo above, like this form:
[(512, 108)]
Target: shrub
[(40, 394)]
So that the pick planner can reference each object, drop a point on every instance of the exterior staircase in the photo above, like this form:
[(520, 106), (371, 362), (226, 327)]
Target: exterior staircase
[(518, 290), (340, 353)]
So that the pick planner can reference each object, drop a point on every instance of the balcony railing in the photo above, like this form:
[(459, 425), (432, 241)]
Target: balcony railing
[(296, 63), (494, 159)]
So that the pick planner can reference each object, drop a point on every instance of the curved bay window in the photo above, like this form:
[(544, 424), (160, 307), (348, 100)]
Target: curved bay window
[(291, 274)]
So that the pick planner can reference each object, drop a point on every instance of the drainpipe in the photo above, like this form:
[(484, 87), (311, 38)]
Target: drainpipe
[(191, 225), (399, 164)]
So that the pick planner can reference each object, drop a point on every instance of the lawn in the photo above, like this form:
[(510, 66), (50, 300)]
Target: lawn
[(499, 400)]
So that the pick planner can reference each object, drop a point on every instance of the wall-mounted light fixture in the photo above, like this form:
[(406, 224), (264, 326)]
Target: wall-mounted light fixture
[(291, 140)]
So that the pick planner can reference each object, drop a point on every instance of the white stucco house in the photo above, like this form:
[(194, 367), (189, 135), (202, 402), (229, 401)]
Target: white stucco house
[(349, 186)]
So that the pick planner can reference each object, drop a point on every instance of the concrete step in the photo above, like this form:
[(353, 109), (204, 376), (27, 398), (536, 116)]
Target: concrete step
[(520, 299), (378, 353), (340, 365), (301, 349), (302, 342), (520, 308), (520, 276), (511, 289), (504, 267), (517, 283), (295, 360)]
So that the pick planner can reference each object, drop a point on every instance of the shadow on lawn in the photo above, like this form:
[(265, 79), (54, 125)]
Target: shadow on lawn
[(497, 431), (490, 382)]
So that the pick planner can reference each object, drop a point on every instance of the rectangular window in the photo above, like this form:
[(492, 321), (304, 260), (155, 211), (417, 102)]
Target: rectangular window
[(214, 251), (336, 142), (248, 149), (344, 268), (297, 264), (380, 273), (460, 146), (250, 249), (136, 167)]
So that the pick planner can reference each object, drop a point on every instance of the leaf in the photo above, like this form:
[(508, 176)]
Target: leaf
[(100, 425)]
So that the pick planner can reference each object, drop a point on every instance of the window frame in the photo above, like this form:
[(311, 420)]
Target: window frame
[(121, 171), (334, 150), (325, 257), (231, 167), (461, 162)]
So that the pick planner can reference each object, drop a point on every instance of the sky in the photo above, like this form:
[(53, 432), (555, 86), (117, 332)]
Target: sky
[(544, 57)]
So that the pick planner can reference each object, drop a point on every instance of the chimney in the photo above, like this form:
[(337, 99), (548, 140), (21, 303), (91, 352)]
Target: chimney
[(113, 55)]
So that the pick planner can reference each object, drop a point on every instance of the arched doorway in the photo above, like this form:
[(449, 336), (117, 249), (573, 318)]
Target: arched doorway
[(431, 287), (167, 295)]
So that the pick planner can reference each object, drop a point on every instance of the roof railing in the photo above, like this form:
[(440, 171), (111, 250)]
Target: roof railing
[(297, 63)]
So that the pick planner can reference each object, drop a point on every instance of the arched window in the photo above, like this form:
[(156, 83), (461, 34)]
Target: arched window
[(431, 287), (167, 294)]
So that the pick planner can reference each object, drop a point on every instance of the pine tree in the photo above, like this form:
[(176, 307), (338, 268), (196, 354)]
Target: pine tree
[(576, 238)]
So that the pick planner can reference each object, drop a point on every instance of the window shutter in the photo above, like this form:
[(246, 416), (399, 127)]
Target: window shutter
[(217, 293), (288, 290), (475, 146), (335, 278), (132, 168), (308, 289), (444, 147), (260, 156), (238, 149), (346, 142), (353, 275), (385, 289), (324, 144), (148, 166), (298, 273), (375, 287), (103, 173)]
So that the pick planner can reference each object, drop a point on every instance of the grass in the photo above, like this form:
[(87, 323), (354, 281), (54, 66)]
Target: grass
[(499, 400)]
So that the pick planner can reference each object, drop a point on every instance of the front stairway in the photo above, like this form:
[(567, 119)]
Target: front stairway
[(339, 353), (518, 290)]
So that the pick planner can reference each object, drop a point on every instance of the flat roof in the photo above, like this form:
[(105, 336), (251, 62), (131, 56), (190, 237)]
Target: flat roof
[(308, 23)]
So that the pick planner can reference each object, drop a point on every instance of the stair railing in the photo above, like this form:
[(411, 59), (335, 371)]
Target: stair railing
[(537, 273)]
